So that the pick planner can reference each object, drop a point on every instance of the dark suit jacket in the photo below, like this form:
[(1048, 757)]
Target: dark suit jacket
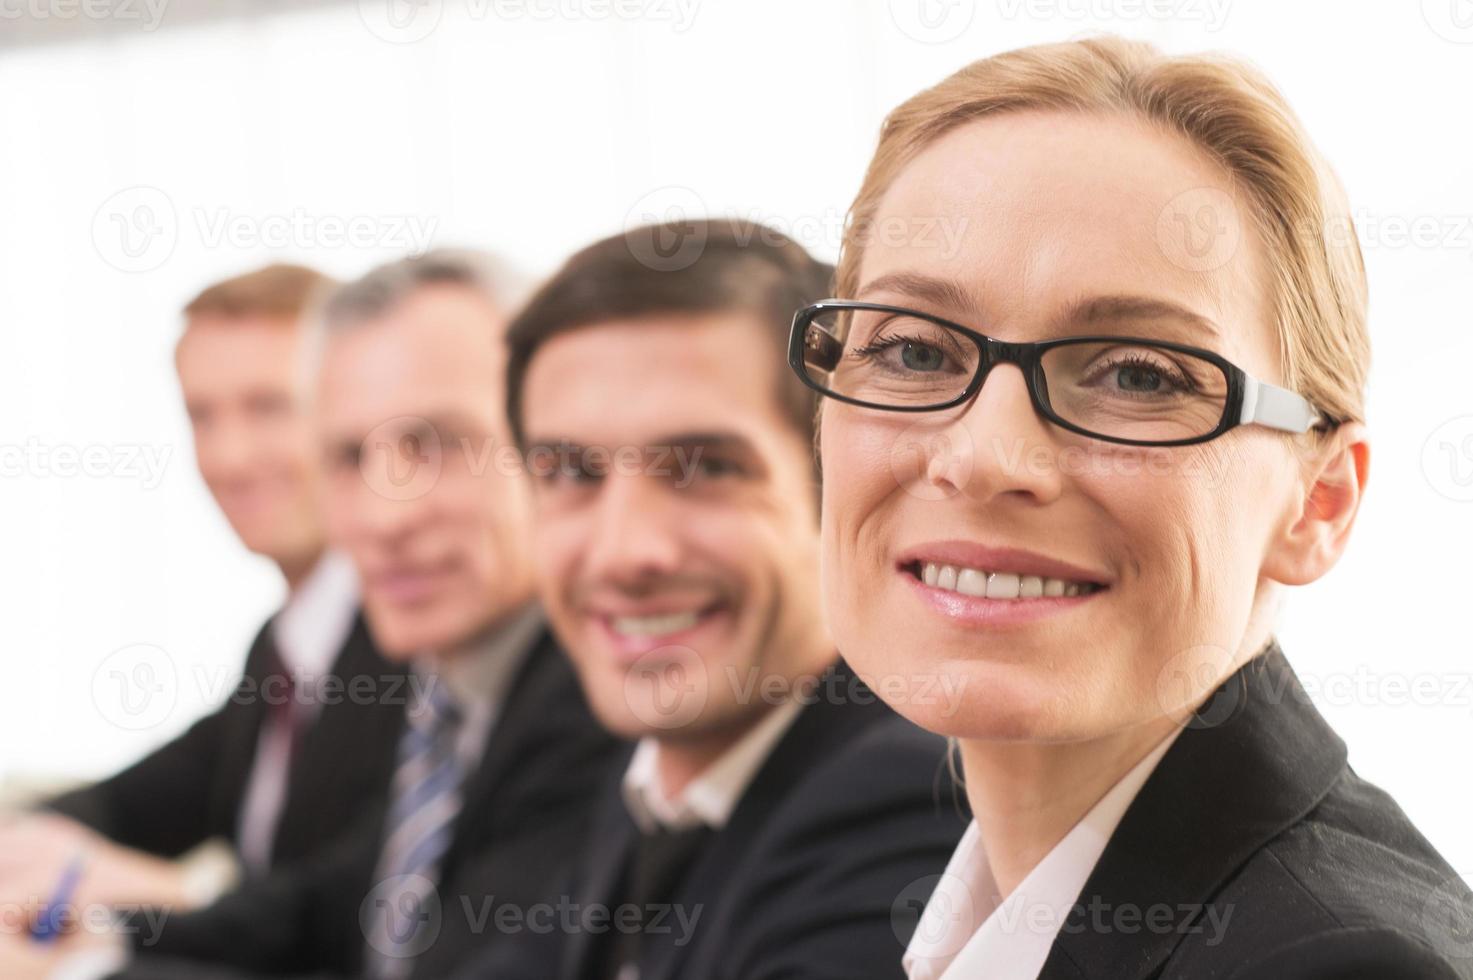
[(524, 811), (1262, 856), (193, 788), (818, 874)]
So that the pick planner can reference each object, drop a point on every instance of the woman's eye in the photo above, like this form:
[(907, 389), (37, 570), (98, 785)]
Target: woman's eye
[(919, 357), (1142, 376), (903, 355), (1134, 377)]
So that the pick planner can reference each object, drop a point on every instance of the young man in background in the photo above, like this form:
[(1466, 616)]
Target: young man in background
[(279, 768), (774, 818)]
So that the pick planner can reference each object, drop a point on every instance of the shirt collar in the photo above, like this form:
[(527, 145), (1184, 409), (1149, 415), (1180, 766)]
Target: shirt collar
[(710, 798), (966, 931), (314, 623), (479, 675)]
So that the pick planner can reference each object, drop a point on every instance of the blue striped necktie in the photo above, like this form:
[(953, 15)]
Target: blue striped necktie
[(401, 916)]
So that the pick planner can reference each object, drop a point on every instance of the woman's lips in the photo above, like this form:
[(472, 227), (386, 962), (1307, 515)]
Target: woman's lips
[(960, 553), (981, 611)]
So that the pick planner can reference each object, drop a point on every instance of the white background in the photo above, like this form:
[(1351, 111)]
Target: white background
[(534, 127)]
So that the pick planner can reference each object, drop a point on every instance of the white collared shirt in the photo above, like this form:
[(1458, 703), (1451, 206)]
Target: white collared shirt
[(309, 632), (966, 931), (711, 797)]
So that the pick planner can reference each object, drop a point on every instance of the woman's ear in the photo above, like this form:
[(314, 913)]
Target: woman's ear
[(1335, 475)]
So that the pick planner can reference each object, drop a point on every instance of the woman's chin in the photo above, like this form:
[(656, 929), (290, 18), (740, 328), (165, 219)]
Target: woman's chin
[(979, 699)]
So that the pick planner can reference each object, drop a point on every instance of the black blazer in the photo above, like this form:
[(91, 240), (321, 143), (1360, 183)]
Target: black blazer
[(525, 809), (1265, 858), (835, 844), (193, 788)]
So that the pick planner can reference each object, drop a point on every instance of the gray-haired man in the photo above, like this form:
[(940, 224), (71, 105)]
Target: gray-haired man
[(499, 754)]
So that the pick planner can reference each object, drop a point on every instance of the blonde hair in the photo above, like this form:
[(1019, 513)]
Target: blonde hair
[(279, 292), (1230, 111)]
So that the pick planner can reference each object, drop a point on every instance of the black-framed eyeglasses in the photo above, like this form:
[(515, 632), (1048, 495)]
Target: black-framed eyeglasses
[(1133, 390)]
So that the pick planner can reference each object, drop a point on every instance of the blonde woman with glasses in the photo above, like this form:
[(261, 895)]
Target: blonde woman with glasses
[(1070, 465)]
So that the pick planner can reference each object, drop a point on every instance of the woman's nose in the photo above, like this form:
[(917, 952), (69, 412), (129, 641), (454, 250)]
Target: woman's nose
[(995, 444)]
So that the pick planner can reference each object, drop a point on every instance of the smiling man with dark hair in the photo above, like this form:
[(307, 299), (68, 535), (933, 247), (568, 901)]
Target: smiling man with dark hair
[(773, 814)]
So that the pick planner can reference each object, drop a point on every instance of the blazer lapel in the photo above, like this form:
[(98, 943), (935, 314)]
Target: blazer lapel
[(540, 706), (819, 728), (341, 726), (1256, 758), (245, 712), (611, 844), (324, 790)]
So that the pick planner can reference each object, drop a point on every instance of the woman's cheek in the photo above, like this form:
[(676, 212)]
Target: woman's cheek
[(849, 517), (859, 501)]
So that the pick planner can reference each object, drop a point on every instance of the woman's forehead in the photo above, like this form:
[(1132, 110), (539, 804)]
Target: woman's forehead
[(1045, 211)]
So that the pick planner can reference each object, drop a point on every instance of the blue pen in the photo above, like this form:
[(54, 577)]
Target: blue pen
[(48, 924)]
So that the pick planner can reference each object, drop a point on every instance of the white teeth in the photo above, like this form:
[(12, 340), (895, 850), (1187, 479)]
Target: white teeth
[(998, 585), (1002, 585), (969, 581), (654, 625)]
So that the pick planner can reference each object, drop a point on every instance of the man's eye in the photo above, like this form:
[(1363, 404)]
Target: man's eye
[(345, 459), (269, 406), (566, 473), (715, 466)]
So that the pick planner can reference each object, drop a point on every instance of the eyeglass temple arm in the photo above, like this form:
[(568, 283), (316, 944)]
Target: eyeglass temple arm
[(1275, 407)]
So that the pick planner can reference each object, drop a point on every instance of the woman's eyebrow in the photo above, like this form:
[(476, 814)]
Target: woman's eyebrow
[(1100, 310), (1092, 311), (943, 293)]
